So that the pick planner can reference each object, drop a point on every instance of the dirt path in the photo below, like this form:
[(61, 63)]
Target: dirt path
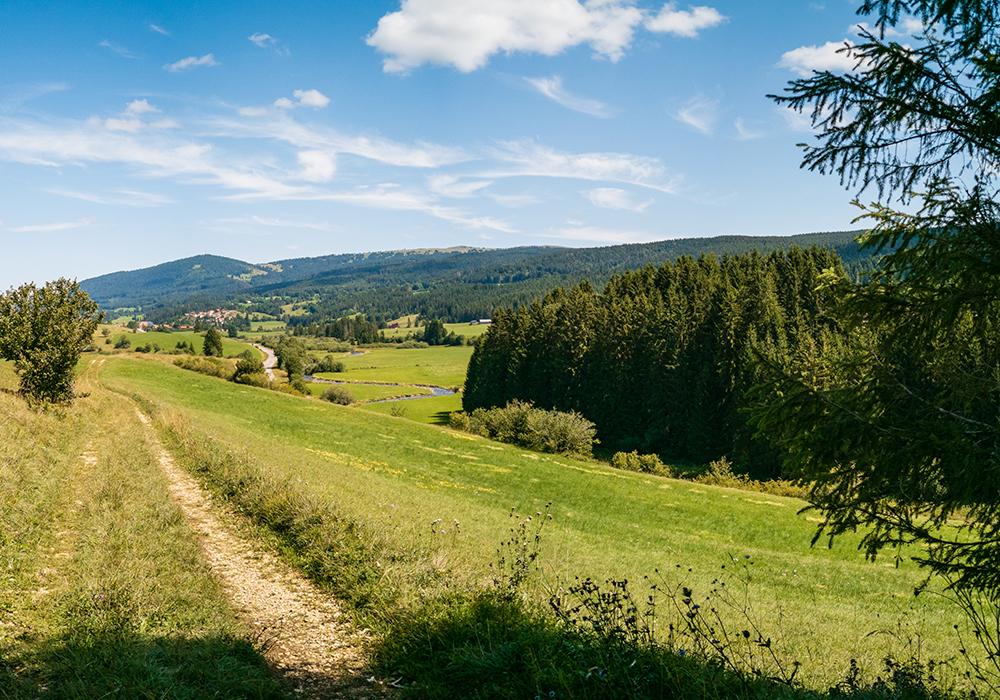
[(306, 637), (270, 360)]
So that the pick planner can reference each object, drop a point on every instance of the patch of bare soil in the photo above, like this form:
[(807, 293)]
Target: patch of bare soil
[(303, 631)]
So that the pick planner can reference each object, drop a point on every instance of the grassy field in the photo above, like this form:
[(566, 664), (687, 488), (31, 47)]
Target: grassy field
[(105, 591), (433, 411), (369, 392), (168, 341), (458, 328), (414, 483), (434, 366)]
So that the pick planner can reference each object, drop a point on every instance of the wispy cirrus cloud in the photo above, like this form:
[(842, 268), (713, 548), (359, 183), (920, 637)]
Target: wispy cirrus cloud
[(530, 159), (120, 50), (265, 221), (575, 231), (262, 40), (128, 198), (553, 89), (46, 228), (614, 198), (698, 112), (190, 62)]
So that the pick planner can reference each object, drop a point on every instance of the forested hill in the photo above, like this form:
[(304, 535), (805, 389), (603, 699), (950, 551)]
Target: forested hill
[(455, 284)]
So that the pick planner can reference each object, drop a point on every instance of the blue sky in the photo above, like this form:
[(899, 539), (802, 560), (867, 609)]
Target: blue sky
[(133, 133)]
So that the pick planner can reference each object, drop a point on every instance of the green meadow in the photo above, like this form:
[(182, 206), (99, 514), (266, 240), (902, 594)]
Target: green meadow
[(456, 328), (452, 495), (434, 366), (370, 392), (168, 341)]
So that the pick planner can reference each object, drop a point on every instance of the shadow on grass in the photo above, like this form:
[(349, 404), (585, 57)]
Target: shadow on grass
[(137, 666), (492, 646), (441, 418)]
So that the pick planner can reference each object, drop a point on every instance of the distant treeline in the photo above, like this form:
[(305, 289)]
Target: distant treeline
[(661, 360), (451, 286)]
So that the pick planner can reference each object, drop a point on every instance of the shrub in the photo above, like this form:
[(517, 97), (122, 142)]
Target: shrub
[(205, 365), (327, 364), (123, 342), (720, 473), (412, 345), (635, 462), (520, 423), (338, 394)]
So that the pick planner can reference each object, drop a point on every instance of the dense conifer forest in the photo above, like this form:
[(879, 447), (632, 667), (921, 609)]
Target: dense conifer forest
[(662, 358)]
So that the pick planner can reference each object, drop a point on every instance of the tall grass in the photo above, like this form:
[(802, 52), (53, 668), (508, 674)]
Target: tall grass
[(106, 594)]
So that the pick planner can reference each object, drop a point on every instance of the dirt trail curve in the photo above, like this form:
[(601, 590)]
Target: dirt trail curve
[(307, 639), (270, 360)]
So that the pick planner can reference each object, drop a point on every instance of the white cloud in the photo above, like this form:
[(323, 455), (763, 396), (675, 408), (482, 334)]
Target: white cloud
[(451, 186), (284, 103), (317, 166), (908, 27), (831, 56), (160, 30), (43, 228), (553, 89), (121, 51), (533, 160), (140, 107), (254, 220), (515, 201), (129, 125), (745, 134), (682, 22), (699, 112), (131, 198), (614, 198), (594, 234), (191, 62), (465, 34), (253, 111), (311, 98), (261, 40), (796, 120), (165, 124)]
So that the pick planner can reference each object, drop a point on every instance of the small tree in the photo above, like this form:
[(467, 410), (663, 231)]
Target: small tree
[(43, 331), (213, 343)]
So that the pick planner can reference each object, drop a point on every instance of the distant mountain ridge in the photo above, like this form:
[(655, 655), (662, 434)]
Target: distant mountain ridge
[(347, 280)]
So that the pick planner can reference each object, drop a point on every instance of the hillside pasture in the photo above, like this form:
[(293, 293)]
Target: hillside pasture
[(456, 328), (415, 483), (168, 341), (433, 366), (369, 392)]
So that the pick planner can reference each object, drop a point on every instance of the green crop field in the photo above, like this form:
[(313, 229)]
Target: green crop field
[(412, 482), (434, 366)]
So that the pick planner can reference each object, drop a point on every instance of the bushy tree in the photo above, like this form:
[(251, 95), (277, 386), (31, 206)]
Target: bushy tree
[(898, 430), (43, 331), (213, 343)]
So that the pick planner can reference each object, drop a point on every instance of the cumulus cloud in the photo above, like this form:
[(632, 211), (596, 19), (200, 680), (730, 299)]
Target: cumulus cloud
[(262, 40), (685, 23), (43, 228), (614, 198), (311, 98), (191, 62), (553, 89), (140, 107), (465, 34), (831, 56), (317, 166), (699, 112), (284, 103)]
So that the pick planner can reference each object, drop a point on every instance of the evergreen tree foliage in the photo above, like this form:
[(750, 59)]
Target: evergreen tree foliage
[(213, 343), (898, 428), (43, 331), (661, 359)]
